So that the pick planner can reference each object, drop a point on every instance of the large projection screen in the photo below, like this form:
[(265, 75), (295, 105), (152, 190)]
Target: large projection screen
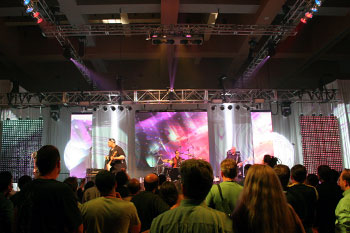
[(159, 134)]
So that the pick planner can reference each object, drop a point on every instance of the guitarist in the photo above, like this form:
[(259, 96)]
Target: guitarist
[(116, 157)]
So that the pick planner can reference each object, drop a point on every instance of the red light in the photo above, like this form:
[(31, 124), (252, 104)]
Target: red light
[(308, 15), (40, 20), (36, 14), (303, 20)]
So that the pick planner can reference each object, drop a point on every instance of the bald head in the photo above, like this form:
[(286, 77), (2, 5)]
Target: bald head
[(151, 182), (134, 186)]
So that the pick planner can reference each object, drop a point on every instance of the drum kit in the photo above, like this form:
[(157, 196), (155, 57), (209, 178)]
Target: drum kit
[(164, 166)]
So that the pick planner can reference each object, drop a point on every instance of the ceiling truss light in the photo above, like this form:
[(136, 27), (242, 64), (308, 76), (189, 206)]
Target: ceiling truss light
[(26, 2), (111, 21)]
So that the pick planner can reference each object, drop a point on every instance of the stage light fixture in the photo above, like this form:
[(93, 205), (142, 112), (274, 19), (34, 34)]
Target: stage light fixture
[(313, 114), (95, 109), (121, 108), (184, 42), (188, 35), (237, 107), (129, 108), (222, 107), (36, 14), (318, 2), (113, 108), (8, 119), (156, 42), (229, 107), (332, 114), (40, 20), (303, 20), (314, 9), (29, 9), (213, 107), (320, 114), (154, 36), (197, 42), (170, 42), (105, 108), (308, 15), (286, 110), (26, 2)]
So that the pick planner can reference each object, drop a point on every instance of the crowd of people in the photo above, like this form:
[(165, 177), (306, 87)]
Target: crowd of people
[(270, 198)]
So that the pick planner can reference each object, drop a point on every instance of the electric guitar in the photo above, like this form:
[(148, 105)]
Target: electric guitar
[(108, 165)]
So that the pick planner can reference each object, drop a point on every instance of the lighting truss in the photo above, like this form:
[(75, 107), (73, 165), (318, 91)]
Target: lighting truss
[(171, 30), (180, 96), (292, 18), (62, 39)]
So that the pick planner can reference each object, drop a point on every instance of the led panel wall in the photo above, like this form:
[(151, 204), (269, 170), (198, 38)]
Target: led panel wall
[(321, 142), (159, 134), (19, 139)]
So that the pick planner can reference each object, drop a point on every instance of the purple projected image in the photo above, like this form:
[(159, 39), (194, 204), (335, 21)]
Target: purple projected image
[(78, 150), (159, 134)]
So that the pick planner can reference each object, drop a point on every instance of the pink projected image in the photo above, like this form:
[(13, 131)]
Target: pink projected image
[(262, 135), (159, 134)]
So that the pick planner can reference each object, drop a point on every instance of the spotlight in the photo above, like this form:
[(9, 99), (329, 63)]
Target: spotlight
[(121, 108), (313, 114), (170, 41), (213, 107), (27, 118), (156, 42), (113, 108), (303, 20), (105, 108), (129, 108), (154, 36), (318, 2), (237, 107), (26, 2), (197, 42), (95, 109), (40, 20), (222, 107), (20, 118), (320, 114), (188, 35), (301, 114), (229, 107), (40, 117), (286, 109), (8, 119), (332, 114), (314, 9), (29, 9), (308, 15), (36, 14), (184, 42), (67, 52), (246, 107)]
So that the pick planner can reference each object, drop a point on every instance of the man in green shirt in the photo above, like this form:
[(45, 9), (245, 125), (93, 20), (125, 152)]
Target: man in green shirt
[(342, 212), (109, 214), (193, 215), (230, 190)]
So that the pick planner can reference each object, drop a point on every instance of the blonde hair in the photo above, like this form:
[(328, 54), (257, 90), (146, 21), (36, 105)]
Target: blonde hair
[(263, 206)]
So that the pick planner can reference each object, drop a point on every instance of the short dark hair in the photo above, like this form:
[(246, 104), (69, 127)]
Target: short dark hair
[(197, 178), (246, 168), (229, 168), (283, 174), (89, 184), (168, 193), (112, 140), (312, 180), (47, 158), (324, 172), (105, 182), (150, 186), (134, 186), (270, 160), (161, 179), (5, 180), (23, 181), (121, 178), (299, 173), (72, 182)]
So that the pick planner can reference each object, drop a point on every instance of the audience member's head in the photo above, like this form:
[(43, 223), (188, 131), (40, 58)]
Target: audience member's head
[(47, 160), (344, 179), (262, 206), (134, 186), (5, 182), (162, 179), (121, 178), (168, 193), (228, 168), (197, 178), (298, 173), (283, 174), (312, 180), (246, 168), (89, 184), (324, 173), (72, 182), (23, 181), (335, 175), (105, 182), (151, 182), (270, 160)]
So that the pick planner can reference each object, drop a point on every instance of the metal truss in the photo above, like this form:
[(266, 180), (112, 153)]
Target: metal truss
[(62, 39), (292, 18), (169, 30), (179, 96)]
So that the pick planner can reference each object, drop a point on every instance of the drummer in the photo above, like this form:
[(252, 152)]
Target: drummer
[(176, 160)]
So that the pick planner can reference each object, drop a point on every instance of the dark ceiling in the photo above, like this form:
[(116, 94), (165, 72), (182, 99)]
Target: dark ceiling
[(318, 54)]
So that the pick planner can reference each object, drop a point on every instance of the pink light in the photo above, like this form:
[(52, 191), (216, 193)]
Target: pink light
[(188, 35), (36, 14), (154, 36), (308, 15), (303, 20), (39, 20)]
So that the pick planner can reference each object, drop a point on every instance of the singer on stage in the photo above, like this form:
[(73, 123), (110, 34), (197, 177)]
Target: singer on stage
[(115, 160)]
